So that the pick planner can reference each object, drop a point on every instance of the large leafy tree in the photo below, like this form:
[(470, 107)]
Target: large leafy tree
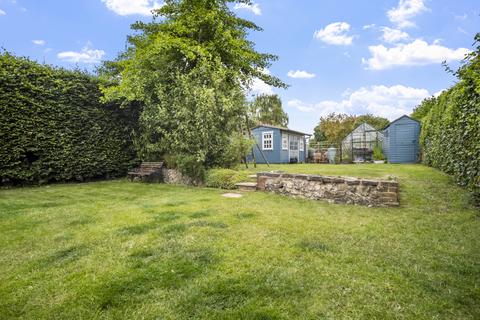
[(267, 109), (189, 68)]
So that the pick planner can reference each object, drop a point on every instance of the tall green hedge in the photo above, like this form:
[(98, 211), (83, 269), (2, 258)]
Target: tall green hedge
[(451, 127), (53, 126)]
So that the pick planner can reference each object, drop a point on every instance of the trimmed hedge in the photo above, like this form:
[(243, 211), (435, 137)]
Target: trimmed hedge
[(451, 127), (224, 178), (53, 126)]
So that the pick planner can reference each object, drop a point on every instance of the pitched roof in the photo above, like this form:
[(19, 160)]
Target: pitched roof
[(281, 128), (404, 116)]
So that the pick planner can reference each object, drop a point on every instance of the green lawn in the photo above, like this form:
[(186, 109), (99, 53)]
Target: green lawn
[(120, 250)]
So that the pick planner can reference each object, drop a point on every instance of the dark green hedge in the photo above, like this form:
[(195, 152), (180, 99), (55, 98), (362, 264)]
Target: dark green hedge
[(53, 126), (451, 127)]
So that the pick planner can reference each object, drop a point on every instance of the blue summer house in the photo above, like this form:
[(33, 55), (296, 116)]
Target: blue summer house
[(278, 145)]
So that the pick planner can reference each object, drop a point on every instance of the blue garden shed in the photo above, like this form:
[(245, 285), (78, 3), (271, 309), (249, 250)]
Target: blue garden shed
[(400, 143), (279, 145)]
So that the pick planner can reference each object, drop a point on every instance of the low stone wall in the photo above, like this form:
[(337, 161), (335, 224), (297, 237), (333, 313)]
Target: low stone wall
[(378, 193), (173, 176)]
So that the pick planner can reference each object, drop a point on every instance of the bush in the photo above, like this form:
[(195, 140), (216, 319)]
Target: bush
[(450, 126), (237, 150), (378, 152), (224, 178), (54, 128)]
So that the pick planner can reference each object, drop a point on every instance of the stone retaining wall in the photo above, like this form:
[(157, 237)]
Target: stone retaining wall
[(174, 176), (378, 193)]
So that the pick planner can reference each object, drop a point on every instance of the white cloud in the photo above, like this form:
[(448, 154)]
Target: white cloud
[(39, 42), (416, 53), (405, 12), (461, 17), (259, 87), (2, 13), (389, 102), (129, 7), (298, 104), (254, 8), (369, 26), (462, 30), (335, 33), (393, 35), (86, 55), (300, 74)]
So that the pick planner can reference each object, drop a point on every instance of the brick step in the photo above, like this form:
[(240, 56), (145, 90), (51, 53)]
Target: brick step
[(247, 186)]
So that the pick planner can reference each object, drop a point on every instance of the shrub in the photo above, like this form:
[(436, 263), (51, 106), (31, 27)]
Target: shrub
[(378, 152), (54, 128), (224, 178), (237, 150), (450, 126)]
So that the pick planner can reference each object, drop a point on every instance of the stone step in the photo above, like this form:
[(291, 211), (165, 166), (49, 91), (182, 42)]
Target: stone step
[(252, 176), (246, 186)]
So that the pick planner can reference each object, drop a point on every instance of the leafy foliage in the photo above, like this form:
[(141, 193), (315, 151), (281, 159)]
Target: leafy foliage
[(224, 178), (54, 128), (378, 152), (267, 109), (189, 69), (335, 126), (237, 150), (424, 108), (451, 126)]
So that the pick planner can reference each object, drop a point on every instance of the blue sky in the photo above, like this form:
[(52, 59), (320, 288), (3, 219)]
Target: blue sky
[(380, 57)]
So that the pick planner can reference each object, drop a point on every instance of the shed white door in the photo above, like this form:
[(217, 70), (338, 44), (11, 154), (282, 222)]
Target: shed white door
[(293, 149)]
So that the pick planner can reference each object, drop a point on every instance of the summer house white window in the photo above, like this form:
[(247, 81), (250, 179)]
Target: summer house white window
[(300, 145), (267, 140), (284, 142)]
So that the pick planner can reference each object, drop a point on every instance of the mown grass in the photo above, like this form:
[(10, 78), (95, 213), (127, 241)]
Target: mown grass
[(120, 250)]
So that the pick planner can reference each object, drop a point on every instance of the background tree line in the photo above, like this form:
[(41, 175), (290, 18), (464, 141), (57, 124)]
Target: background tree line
[(334, 127)]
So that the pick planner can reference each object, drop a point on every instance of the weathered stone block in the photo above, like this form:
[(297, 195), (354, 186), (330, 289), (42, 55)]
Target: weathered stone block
[(301, 176), (369, 183), (393, 189), (352, 182), (261, 181), (314, 178)]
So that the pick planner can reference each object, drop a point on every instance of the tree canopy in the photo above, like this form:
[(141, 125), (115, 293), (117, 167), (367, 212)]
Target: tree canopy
[(189, 67), (335, 126), (267, 109)]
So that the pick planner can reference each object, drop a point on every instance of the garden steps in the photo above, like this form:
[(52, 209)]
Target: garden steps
[(246, 186)]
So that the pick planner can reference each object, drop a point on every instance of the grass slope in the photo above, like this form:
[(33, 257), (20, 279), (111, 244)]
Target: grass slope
[(119, 250)]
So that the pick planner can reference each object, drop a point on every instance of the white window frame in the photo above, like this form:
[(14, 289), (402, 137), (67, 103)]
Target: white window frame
[(267, 139), (301, 145), (284, 141)]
